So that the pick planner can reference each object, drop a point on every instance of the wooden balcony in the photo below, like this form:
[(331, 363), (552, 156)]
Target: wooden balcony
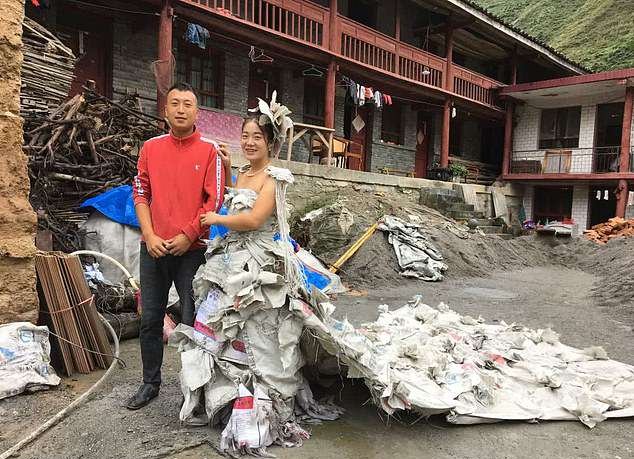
[(307, 23)]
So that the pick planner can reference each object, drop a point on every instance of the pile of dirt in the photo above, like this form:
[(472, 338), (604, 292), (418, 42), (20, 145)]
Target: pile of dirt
[(466, 252), (614, 228), (612, 263)]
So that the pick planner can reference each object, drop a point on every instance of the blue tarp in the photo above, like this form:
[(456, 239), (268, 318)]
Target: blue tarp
[(116, 204)]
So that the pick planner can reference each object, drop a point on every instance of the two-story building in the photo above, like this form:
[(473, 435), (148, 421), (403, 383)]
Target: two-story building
[(436, 65), (572, 146)]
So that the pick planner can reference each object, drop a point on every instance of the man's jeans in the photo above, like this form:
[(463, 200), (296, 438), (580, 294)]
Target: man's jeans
[(157, 275)]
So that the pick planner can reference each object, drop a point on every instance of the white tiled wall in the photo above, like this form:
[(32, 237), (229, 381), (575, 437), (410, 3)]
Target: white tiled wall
[(580, 195), (526, 135)]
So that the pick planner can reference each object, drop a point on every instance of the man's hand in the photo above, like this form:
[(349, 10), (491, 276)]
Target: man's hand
[(178, 245), (156, 246), (208, 219)]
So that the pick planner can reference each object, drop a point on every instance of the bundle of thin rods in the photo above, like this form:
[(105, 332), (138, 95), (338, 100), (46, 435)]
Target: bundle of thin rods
[(86, 146), (80, 342), (47, 70)]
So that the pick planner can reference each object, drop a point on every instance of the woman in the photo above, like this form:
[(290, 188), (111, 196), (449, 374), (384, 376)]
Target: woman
[(252, 303)]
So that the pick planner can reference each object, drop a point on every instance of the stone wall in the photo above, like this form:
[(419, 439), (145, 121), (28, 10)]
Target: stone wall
[(18, 297)]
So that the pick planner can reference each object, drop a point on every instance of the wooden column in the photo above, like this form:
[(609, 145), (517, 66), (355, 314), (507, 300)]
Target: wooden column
[(397, 21), (444, 143), (449, 58), (622, 191), (164, 51), (329, 101), (514, 66), (508, 137), (621, 198), (626, 130), (333, 30)]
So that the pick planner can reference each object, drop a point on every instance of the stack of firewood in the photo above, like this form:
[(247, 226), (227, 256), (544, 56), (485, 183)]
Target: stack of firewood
[(87, 145), (613, 228), (47, 70)]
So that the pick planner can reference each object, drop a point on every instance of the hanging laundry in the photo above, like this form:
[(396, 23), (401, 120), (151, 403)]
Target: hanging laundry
[(378, 99), (196, 35), (353, 91), (361, 94), (369, 94)]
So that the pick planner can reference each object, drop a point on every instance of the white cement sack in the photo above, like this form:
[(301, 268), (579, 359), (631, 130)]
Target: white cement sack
[(25, 359)]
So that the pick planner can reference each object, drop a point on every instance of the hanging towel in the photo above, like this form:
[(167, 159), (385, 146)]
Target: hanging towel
[(378, 100), (361, 95)]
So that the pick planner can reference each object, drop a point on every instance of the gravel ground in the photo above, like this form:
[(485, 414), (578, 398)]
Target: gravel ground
[(536, 297)]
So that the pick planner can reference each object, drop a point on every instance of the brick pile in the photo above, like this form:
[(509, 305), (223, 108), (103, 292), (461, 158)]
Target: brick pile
[(613, 228)]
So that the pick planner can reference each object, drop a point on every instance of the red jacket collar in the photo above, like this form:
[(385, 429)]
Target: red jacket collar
[(193, 137)]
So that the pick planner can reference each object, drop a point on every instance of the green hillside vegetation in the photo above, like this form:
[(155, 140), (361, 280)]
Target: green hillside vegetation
[(598, 34)]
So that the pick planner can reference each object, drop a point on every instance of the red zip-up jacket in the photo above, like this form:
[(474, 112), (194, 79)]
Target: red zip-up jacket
[(180, 179)]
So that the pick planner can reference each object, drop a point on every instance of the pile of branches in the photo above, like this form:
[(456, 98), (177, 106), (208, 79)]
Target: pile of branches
[(86, 146)]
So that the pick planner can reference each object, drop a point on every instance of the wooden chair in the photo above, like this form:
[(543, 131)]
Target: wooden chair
[(557, 161)]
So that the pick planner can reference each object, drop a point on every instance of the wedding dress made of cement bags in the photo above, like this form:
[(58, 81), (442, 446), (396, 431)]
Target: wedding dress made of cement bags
[(25, 362), (244, 346), (434, 361), (416, 255)]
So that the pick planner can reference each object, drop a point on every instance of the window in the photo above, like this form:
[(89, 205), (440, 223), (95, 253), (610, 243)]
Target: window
[(314, 101), (203, 69), (552, 203), (560, 128), (391, 125)]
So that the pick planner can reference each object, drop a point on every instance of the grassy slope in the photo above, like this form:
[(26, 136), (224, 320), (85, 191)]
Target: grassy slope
[(596, 33)]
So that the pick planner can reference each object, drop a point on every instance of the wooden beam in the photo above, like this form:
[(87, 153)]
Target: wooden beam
[(508, 137), (449, 60), (334, 40), (626, 130), (621, 198), (444, 143), (164, 50), (397, 21), (329, 101)]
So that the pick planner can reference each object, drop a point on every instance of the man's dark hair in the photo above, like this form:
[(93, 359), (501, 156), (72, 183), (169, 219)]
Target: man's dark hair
[(182, 87)]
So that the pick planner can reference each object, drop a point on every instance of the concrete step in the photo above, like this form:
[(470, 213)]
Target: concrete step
[(462, 207), (491, 229), (464, 215)]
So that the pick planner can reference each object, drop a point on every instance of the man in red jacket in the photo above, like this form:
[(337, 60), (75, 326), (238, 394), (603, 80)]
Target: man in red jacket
[(180, 177)]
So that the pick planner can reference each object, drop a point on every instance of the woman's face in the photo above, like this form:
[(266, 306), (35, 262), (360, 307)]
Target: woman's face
[(253, 142)]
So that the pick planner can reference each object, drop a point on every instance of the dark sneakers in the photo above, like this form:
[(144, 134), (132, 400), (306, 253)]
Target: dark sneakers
[(143, 396)]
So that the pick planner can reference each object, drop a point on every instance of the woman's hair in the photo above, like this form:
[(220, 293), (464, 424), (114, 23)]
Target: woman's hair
[(267, 129)]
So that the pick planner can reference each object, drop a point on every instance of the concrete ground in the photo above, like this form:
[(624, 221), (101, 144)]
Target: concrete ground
[(536, 297)]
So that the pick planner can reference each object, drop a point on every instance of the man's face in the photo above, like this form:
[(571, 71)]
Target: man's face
[(181, 110)]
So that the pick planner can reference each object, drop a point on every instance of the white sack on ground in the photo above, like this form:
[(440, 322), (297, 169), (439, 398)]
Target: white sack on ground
[(436, 361), (25, 359), (417, 256)]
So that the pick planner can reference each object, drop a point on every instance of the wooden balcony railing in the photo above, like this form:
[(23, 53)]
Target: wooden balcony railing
[(474, 86), (366, 45), (304, 21), (308, 23)]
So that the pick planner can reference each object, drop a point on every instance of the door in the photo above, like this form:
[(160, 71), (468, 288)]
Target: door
[(92, 45), (602, 204), (423, 133), (263, 80), (361, 139), (607, 139)]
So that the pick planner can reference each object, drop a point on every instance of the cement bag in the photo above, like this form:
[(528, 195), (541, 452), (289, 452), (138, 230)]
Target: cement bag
[(315, 272), (25, 359), (249, 428)]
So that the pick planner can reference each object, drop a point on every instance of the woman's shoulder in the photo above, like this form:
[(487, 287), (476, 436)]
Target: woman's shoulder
[(280, 174)]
